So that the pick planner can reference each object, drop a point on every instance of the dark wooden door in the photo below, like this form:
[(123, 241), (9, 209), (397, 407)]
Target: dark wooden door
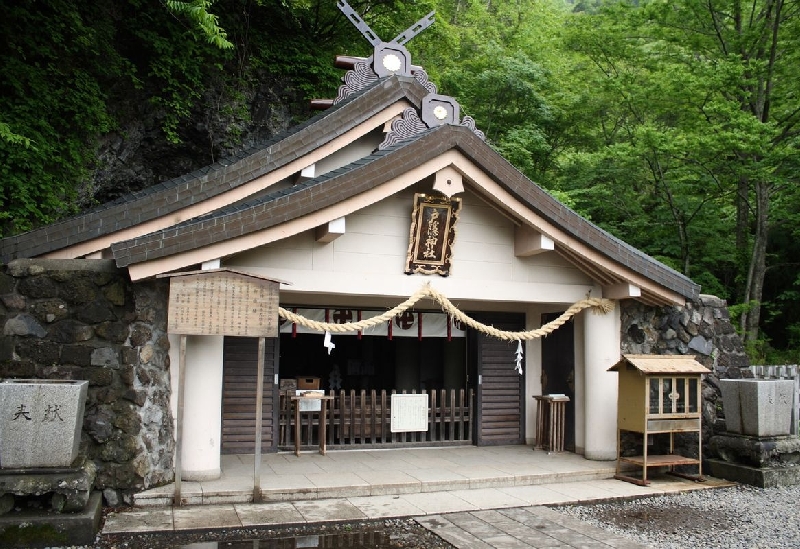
[(558, 371), (239, 373), (500, 389)]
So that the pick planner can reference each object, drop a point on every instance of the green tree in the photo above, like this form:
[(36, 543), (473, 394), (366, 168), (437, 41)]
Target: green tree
[(701, 98)]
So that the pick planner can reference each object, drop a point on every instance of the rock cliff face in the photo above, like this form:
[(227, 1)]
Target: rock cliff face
[(82, 319), (223, 123)]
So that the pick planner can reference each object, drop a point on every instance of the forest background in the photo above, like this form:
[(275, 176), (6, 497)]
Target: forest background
[(673, 124)]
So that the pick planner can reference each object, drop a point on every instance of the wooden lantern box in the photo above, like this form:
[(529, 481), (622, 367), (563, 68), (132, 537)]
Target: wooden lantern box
[(659, 394)]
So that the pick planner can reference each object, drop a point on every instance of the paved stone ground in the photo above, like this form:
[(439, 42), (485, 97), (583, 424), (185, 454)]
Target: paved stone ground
[(521, 528)]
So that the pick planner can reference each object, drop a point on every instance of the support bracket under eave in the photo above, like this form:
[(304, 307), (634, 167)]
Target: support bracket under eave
[(305, 174), (330, 231), (528, 241), (448, 181), (621, 291)]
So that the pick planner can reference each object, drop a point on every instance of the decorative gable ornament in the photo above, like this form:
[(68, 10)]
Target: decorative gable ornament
[(388, 58), (392, 58), (439, 109)]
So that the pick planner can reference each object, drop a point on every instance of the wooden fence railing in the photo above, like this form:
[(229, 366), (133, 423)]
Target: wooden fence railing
[(363, 419)]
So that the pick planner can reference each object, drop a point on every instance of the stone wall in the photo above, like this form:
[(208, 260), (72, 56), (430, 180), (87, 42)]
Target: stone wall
[(83, 319), (703, 329)]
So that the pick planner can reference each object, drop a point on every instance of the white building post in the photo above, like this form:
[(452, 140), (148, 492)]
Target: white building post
[(602, 350)]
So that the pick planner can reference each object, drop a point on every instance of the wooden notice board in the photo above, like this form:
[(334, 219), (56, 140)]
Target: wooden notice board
[(223, 302)]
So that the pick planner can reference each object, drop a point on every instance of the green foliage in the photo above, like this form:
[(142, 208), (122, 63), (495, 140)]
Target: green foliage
[(56, 63), (197, 12), (177, 68), (12, 138), (683, 109)]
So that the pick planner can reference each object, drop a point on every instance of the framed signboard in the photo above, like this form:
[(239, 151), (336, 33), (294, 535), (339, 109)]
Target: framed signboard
[(222, 302), (433, 231)]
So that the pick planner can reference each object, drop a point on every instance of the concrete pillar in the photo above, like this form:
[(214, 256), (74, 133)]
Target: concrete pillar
[(602, 350), (202, 413)]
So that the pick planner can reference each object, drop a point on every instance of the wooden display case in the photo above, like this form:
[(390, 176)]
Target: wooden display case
[(659, 394)]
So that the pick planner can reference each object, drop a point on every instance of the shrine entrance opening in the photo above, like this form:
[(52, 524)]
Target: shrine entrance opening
[(422, 353)]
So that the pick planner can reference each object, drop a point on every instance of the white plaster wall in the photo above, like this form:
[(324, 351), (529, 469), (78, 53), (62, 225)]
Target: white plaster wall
[(369, 259)]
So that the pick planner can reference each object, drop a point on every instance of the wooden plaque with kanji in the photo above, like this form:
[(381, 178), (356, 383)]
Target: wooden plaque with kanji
[(222, 302)]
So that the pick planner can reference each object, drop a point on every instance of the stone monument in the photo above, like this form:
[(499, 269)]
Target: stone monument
[(757, 447), (40, 432)]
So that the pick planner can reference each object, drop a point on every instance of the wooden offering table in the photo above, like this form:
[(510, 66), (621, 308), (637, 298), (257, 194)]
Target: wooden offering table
[(323, 418), (551, 411)]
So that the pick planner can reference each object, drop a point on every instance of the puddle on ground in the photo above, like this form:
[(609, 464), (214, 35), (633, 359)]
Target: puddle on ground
[(352, 540)]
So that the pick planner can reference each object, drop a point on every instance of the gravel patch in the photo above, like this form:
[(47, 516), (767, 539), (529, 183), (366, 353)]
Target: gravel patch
[(729, 518)]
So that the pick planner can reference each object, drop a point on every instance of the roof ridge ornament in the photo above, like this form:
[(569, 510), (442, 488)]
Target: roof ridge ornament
[(392, 58), (388, 58), (404, 127)]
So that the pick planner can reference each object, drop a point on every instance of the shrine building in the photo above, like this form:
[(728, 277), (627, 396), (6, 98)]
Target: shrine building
[(388, 194)]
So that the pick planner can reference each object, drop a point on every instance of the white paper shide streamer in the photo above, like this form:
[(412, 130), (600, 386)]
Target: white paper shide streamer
[(327, 343)]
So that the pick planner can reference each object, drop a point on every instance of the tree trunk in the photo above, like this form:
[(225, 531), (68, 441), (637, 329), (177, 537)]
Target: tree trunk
[(743, 252), (755, 277)]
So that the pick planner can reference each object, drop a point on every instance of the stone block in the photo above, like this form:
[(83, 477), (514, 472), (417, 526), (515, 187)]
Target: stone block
[(40, 422), (766, 477), (756, 451), (105, 356), (70, 331), (757, 407), (79, 355), (6, 284), (42, 529), (24, 325), (68, 488)]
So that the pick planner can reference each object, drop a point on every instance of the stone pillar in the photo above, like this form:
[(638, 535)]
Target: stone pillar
[(601, 351), (202, 414)]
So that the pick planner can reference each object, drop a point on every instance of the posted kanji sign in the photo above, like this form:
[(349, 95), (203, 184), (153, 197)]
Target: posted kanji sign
[(223, 302)]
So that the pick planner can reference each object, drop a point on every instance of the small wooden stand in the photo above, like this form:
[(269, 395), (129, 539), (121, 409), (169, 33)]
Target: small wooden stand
[(551, 413), (323, 420)]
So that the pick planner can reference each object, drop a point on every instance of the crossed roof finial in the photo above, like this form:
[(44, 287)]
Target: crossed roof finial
[(392, 58), (388, 57)]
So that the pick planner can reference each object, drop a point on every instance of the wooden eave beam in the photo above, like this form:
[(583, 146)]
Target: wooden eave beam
[(330, 231), (622, 291), (528, 241)]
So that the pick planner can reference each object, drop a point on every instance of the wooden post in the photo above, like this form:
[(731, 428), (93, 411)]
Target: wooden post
[(259, 403), (179, 431)]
